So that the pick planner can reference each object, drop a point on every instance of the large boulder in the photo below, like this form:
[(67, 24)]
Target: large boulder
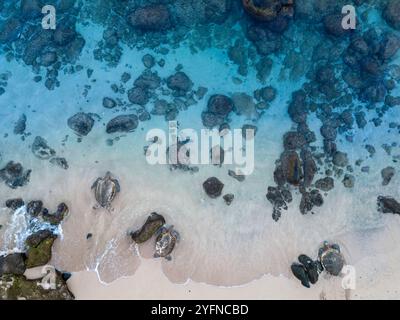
[(123, 123), (12, 264), (39, 248), (213, 187), (388, 205), (82, 123), (180, 83)]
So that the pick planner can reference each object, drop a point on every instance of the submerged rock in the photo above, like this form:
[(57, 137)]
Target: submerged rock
[(60, 162), (20, 125), (123, 123), (41, 149), (213, 187), (153, 223), (291, 167), (109, 103), (387, 175), (228, 198), (179, 83), (82, 123), (388, 205), (14, 175), (151, 18), (238, 177), (325, 184), (392, 14)]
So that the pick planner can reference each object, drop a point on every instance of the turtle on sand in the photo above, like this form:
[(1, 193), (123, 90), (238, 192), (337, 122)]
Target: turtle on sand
[(166, 240), (331, 258), (105, 190)]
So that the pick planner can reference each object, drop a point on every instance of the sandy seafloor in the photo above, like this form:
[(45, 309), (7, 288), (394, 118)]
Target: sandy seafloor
[(235, 251)]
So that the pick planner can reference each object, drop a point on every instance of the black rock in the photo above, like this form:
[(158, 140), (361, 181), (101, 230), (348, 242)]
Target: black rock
[(148, 61), (81, 123), (213, 187), (151, 18), (311, 267), (388, 205), (228, 198), (325, 184), (220, 105), (12, 264), (20, 125), (179, 83), (392, 14), (138, 95), (387, 175), (14, 204), (123, 123), (14, 175), (34, 208), (109, 103), (293, 140), (300, 273)]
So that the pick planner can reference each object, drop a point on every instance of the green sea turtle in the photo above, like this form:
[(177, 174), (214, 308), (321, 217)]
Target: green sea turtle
[(153, 223), (331, 258), (166, 240), (105, 190)]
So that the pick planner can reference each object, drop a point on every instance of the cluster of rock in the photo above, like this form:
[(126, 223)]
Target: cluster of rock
[(23, 37), (38, 250), (14, 175), (213, 187), (43, 151), (330, 259), (388, 205), (166, 237)]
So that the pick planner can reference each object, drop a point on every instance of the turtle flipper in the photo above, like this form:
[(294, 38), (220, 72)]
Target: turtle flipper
[(168, 258), (117, 185), (156, 255), (95, 183)]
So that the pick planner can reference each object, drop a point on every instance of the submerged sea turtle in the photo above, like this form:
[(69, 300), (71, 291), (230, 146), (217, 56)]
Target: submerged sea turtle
[(153, 223), (331, 258), (167, 237), (105, 190)]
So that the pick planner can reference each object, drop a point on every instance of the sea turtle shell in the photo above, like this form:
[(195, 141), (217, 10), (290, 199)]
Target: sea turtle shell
[(165, 243), (331, 259), (105, 190)]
